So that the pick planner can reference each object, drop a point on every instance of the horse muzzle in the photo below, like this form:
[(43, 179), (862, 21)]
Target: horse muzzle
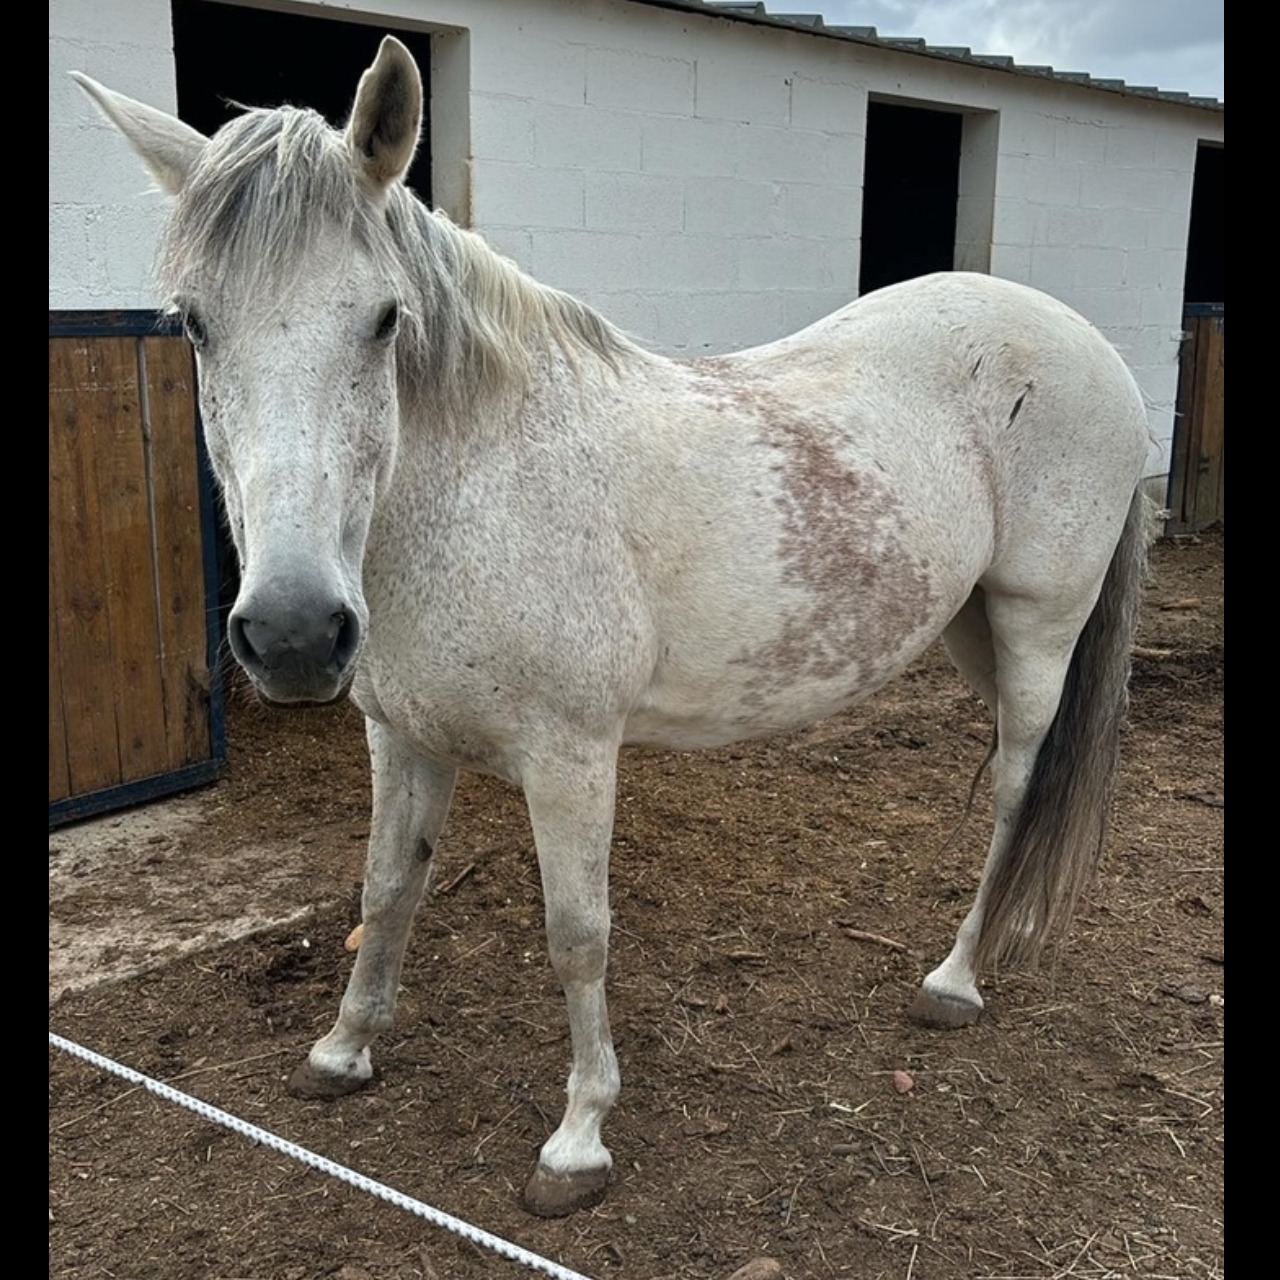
[(300, 652)]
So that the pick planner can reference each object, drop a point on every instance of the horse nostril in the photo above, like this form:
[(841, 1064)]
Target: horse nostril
[(242, 646), (347, 640)]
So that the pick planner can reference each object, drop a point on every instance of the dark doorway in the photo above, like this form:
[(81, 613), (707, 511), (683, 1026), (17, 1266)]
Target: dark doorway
[(1206, 250), (911, 180), (226, 55)]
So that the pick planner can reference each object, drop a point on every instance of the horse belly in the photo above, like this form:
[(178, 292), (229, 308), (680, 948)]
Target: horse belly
[(753, 674)]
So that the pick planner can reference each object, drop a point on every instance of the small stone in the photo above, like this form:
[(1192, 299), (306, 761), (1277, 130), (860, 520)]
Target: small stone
[(759, 1269), (903, 1082)]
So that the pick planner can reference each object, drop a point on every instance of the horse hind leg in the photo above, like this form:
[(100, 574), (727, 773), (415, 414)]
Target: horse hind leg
[(1062, 657), (1028, 680), (949, 996), (1060, 690), (410, 803)]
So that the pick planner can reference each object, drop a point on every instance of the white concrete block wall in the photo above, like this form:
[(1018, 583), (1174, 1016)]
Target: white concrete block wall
[(721, 186), (103, 214), (697, 179)]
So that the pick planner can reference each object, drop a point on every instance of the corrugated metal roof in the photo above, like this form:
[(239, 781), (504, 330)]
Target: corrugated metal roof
[(813, 24)]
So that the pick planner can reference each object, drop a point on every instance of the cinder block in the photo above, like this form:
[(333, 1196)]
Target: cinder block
[(525, 195), (726, 91), (522, 66), (640, 82), (1079, 142), (1098, 268), (586, 138), (786, 155), (1051, 183), (1130, 148), (601, 261), (813, 209), (1015, 222), (828, 106), (681, 263), (502, 128), (1026, 133), (731, 206), (703, 148), (771, 262), (633, 311), (1142, 269), (634, 202)]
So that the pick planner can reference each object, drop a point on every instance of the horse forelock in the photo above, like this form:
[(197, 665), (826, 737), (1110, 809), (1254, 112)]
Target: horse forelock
[(272, 181), (269, 182)]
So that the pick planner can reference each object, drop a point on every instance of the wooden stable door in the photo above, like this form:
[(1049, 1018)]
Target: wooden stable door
[(130, 708)]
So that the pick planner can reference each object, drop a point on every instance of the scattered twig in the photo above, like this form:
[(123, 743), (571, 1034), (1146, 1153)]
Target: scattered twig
[(495, 1129), (1210, 799), (84, 1115), (924, 1177), (238, 1062), (451, 884), (878, 939), (896, 1232), (791, 1203), (184, 1075)]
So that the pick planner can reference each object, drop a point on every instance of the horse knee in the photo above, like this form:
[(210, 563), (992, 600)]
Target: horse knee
[(577, 943), (583, 961)]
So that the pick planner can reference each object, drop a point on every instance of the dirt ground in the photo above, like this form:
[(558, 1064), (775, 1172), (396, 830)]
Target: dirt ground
[(1075, 1131)]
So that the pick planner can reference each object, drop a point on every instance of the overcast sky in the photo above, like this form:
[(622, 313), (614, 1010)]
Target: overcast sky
[(1174, 44)]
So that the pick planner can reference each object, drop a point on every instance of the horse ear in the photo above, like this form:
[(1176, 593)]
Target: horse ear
[(168, 147), (387, 117)]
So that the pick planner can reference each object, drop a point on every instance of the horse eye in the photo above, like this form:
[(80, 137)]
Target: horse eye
[(388, 322), (197, 335)]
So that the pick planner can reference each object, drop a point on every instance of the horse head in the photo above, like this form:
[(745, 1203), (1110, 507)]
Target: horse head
[(278, 259)]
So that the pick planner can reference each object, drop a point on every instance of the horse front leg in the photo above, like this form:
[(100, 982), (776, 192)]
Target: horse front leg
[(410, 803), (571, 807)]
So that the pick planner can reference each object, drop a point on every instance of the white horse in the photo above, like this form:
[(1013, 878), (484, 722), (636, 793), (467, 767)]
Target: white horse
[(522, 542)]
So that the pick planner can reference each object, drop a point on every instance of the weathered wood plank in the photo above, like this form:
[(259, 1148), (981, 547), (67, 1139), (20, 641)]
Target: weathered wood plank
[(84, 380), (170, 379), (1212, 408), (1197, 467), (59, 778), (120, 467)]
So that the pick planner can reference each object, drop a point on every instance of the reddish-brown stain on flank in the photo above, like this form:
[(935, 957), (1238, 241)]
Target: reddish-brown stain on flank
[(865, 595)]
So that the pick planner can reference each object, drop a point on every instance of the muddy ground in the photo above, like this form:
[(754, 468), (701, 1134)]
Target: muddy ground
[(1076, 1131)]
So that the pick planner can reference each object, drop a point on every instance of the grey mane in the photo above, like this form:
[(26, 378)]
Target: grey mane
[(271, 180)]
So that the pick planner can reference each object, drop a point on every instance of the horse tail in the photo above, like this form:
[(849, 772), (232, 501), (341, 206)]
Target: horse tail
[(1056, 842)]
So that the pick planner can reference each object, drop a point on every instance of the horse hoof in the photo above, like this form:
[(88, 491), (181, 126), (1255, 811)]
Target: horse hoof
[(554, 1195), (937, 1010), (307, 1082)]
